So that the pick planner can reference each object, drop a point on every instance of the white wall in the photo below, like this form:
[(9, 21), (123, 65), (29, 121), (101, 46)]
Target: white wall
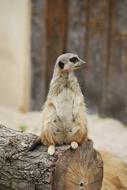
[(15, 18)]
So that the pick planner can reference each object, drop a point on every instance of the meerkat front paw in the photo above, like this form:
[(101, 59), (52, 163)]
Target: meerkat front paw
[(51, 149), (74, 145)]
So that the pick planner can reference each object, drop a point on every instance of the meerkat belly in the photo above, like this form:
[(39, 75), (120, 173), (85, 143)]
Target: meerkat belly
[(67, 109), (64, 106)]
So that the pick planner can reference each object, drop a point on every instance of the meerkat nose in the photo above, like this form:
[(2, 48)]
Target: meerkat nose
[(80, 64)]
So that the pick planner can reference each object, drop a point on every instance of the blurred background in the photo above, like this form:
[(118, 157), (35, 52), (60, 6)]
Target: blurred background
[(34, 32)]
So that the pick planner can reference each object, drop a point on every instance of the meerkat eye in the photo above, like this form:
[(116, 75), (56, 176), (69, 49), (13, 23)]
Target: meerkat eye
[(74, 59), (61, 64)]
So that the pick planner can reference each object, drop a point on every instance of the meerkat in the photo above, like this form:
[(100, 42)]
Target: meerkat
[(64, 112)]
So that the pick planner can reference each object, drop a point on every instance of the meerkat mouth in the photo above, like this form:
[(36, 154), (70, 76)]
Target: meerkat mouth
[(79, 66), (71, 69)]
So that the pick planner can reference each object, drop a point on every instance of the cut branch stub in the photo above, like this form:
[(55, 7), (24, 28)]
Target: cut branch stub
[(79, 169)]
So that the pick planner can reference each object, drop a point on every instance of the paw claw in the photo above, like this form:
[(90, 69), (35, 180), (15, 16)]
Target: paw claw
[(74, 145), (51, 150)]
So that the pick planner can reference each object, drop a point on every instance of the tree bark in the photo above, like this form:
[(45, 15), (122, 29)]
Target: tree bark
[(67, 170)]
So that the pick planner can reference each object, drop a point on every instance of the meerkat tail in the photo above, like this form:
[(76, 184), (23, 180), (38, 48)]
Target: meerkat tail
[(51, 149), (35, 144), (74, 145)]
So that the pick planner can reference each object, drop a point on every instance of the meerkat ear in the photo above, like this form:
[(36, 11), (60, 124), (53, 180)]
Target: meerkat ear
[(61, 64)]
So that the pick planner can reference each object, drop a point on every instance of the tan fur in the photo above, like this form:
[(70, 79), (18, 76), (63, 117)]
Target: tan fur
[(64, 112)]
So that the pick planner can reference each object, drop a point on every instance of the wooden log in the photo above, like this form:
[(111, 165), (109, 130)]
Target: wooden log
[(67, 170)]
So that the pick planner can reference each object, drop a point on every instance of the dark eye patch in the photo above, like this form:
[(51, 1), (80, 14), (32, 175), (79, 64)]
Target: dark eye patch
[(61, 64), (74, 59)]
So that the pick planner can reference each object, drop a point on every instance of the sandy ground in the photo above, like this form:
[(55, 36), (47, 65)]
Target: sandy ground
[(107, 134)]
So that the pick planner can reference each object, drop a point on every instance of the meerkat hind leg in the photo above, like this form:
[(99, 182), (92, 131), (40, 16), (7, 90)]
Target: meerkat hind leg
[(74, 145), (51, 149)]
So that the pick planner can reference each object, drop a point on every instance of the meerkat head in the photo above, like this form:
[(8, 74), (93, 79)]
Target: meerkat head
[(68, 62)]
